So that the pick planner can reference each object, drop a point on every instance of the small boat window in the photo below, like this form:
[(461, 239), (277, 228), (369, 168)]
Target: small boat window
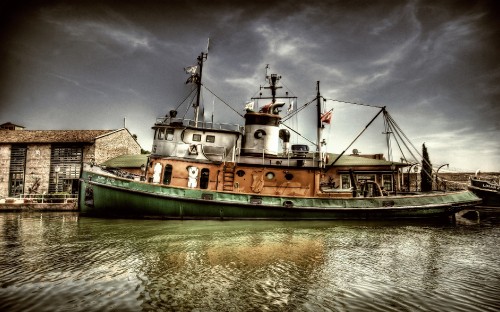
[(270, 175), (167, 175), (210, 138), (288, 176), (170, 134), (196, 137), (240, 173), (204, 178)]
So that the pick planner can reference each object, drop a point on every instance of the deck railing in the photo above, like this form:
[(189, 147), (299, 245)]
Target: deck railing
[(166, 121), (313, 156)]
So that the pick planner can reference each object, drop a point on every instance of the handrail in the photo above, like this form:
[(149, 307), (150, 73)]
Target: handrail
[(167, 121), (44, 198), (316, 156)]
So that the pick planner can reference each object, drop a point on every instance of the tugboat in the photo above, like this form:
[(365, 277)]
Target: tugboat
[(207, 170)]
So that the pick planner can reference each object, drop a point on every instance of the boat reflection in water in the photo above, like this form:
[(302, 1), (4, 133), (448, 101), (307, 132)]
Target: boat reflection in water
[(60, 261)]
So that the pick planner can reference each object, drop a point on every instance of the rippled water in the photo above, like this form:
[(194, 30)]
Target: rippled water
[(60, 261)]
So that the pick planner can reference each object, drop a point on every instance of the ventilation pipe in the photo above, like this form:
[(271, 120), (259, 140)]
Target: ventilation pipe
[(285, 136)]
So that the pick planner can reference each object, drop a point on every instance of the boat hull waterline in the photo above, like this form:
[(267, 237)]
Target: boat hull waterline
[(488, 192), (115, 197)]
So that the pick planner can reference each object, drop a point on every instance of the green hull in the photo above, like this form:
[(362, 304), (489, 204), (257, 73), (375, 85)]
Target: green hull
[(115, 197)]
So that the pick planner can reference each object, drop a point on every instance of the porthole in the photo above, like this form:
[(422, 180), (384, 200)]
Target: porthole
[(270, 175), (259, 134), (240, 173), (288, 176)]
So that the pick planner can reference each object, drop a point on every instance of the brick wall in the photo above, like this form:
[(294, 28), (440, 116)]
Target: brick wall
[(88, 153), (37, 166), (4, 169)]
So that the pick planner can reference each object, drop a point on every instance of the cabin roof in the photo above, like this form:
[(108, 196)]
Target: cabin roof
[(136, 160), (52, 136), (127, 161), (347, 160)]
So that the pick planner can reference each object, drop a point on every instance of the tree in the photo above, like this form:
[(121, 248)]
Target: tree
[(426, 172)]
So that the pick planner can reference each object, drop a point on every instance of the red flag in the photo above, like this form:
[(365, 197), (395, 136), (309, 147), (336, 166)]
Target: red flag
[(327, 117)]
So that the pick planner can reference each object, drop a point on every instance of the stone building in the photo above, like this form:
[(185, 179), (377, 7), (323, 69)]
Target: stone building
[(49, 161)]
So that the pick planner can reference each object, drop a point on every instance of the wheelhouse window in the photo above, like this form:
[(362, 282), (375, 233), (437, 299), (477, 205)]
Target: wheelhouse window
[(197, 137), (160, 134), (211, 138), (170, 134)]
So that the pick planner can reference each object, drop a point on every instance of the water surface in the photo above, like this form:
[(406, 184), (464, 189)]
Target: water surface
[(64, 262)]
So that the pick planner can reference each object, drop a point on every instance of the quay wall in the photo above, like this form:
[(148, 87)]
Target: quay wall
[(38, 207)]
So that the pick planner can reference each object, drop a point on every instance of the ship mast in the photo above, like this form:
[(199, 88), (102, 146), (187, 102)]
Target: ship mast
[(203, 56), (320, 126), (273, 80)]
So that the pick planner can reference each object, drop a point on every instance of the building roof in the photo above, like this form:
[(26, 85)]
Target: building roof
[(52, 136), (7, 124), (128, 161)]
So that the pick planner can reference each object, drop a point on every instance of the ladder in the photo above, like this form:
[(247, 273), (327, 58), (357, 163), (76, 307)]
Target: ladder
[(228, 172)]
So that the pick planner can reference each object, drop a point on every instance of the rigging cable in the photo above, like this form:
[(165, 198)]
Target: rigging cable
[(188, 106), (299, 135), (354, 103), (387, 132), (429, 174), (288, 116), (223, 101), (395, 134), (366, 127), (190, 93), (397, 130)]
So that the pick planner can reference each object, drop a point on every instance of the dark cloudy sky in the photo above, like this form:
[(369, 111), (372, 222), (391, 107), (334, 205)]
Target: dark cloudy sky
[(90, 64)]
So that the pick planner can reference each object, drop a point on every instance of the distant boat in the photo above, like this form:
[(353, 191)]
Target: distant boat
[(488, 191), (199, 169)]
